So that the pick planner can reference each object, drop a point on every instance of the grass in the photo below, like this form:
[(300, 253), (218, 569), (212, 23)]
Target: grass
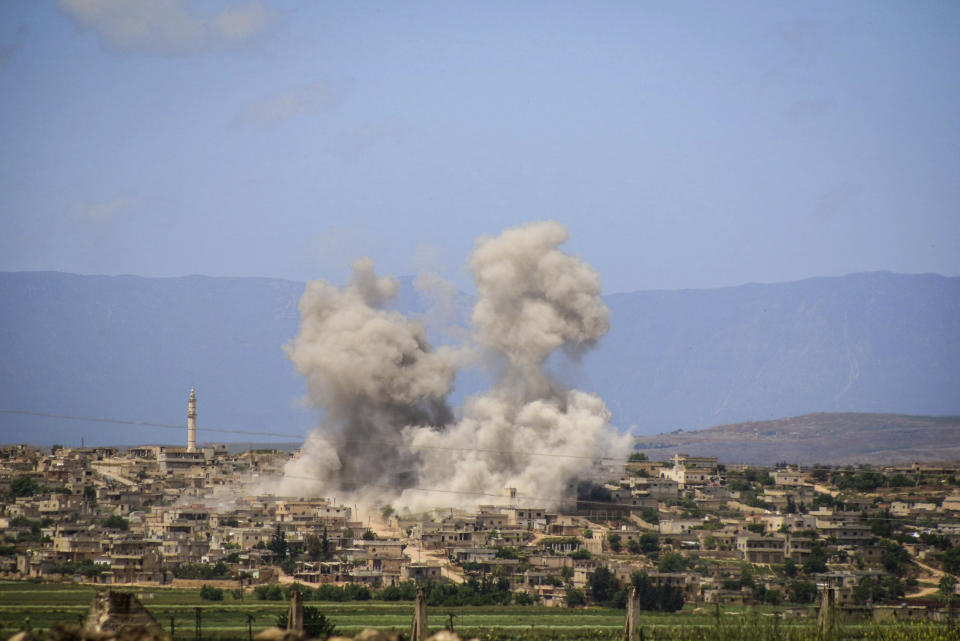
[(40, 605)]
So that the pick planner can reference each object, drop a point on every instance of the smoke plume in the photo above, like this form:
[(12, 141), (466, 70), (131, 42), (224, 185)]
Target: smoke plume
[(372, 372), (383, 387)]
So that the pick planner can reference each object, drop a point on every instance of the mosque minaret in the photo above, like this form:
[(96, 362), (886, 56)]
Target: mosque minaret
[(192, 422)]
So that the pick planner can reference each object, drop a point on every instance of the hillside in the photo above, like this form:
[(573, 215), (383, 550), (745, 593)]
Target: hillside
[(819, 438), (130, 347), (876, 342)]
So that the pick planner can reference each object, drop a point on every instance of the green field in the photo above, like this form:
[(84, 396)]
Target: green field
[(41, 605)]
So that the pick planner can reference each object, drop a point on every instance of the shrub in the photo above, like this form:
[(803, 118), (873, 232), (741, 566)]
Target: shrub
[(116, 522), (672, 562), (575, 598), (951, 560), (268, 592), (613, 540), (315, 625), (650, 515), (211, 593), (25, 486)]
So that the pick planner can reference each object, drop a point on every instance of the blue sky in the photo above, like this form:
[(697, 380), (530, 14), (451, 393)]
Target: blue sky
[(683, 144)]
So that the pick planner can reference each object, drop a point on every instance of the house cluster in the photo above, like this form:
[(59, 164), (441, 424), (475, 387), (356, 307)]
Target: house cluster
[(715, 532)]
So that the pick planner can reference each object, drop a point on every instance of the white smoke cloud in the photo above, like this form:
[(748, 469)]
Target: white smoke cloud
[(537, 448), (528, 433), (170, 27), (379, 382), (372, 371), (534, 298)]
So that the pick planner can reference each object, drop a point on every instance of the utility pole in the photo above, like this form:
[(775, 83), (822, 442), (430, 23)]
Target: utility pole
[(199, 633), (250, 620), (419, 625), (631, 623)]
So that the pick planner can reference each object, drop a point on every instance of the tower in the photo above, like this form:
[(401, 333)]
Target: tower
[(192, 422)]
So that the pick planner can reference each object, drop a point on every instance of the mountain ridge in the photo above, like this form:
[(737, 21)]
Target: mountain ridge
[(825, 438), (131, 346)]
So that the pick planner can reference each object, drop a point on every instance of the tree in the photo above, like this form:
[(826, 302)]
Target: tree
[(881, 525), (646, 591), (672, 562), (951, 560), (324, 546), (603, 585), (816, 561), (368, 535), (895, 557), (650, 515), (24, 486), (386, 512), (803, 591), (268, 592), (279, 543), (868, 590), (116, 522), (671, 598), (314, 546), (211, 593), (636, 457), (315, 625), (790, 567), (948, 585), (575, 598), (613, 540), (650, 544), (633, 546)]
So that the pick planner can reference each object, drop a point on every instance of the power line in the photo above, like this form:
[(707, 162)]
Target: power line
[(301, 437), (117, 421)]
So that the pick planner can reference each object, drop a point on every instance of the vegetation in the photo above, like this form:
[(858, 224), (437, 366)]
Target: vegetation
[(202, 571), (951, 560), (116, 522), (210, 593), (316, 625), (278, 544), (25, 486), (46, 604)]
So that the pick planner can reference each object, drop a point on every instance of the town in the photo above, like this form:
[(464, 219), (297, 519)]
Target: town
[(884, 542)]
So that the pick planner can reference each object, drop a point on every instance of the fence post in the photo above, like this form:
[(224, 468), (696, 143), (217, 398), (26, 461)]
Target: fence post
[(418, 627)]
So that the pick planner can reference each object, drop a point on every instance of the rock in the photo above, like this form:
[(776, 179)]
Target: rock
[(276, 634), (370, 634)]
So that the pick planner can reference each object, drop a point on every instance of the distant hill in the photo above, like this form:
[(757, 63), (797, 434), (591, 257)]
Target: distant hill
[(819, 438), (875, 342), (129, 347)]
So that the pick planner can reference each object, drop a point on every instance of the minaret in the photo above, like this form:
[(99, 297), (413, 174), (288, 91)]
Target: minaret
[(192, 422)]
